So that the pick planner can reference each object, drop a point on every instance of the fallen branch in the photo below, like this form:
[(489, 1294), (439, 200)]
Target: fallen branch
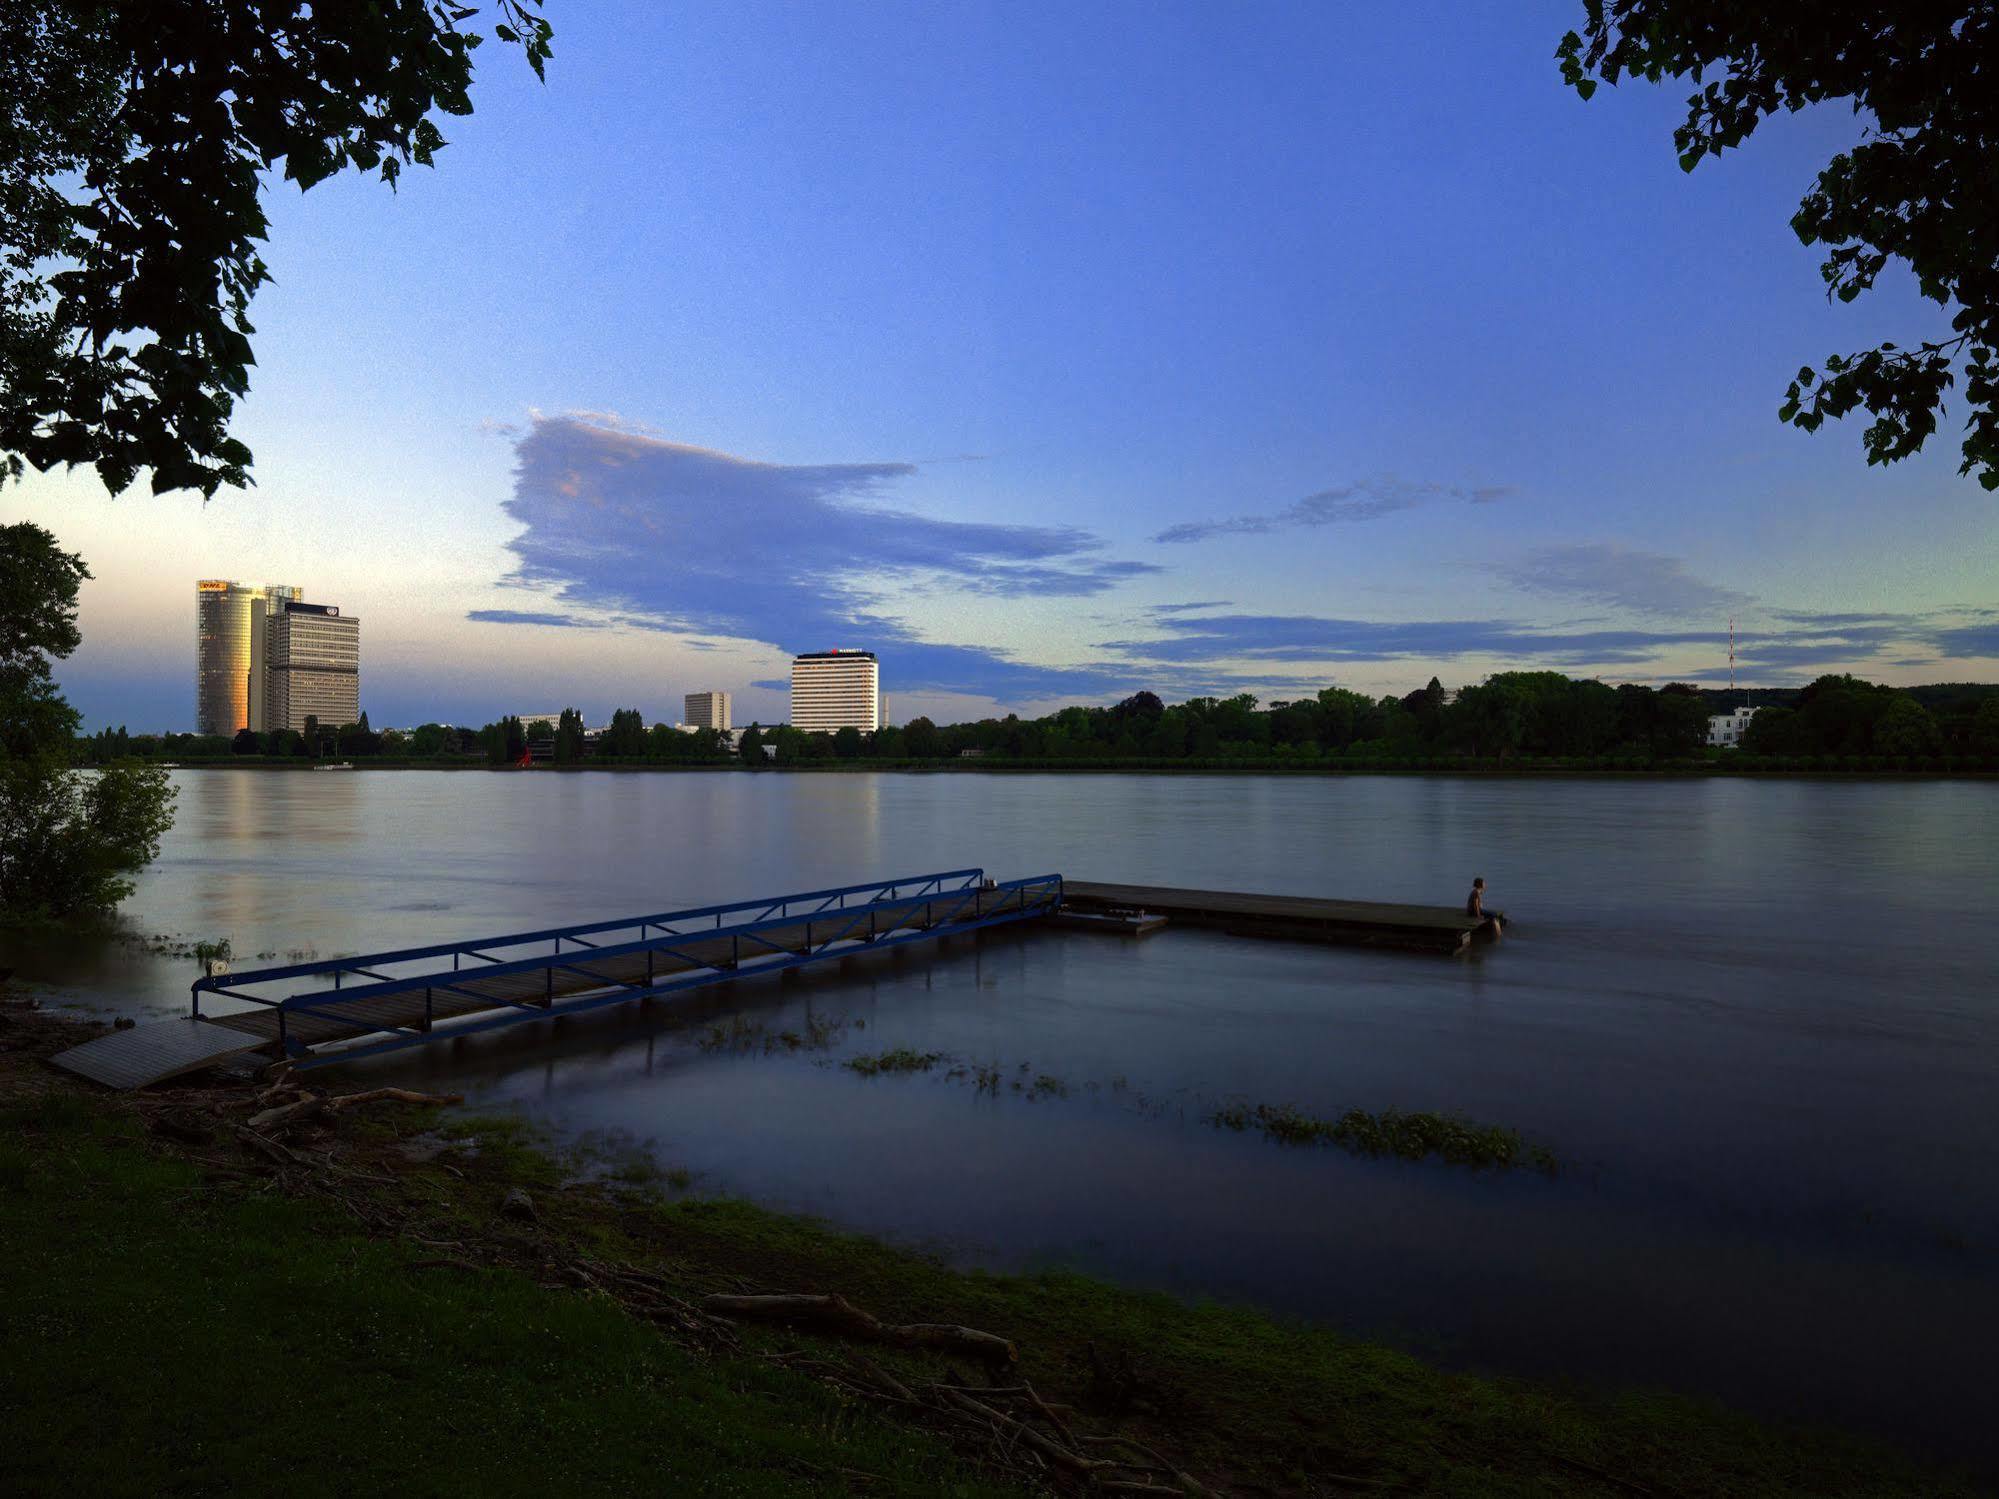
[(1048, 1447), (1595, 1472), (313, 1105), (281, 1155), (834, 1313)]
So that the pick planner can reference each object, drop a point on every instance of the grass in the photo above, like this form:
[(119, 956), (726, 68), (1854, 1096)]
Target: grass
[(1413, 1136), (743, 1035), (167, 945), (167, 1332), (172, 1338), (1266, 1402), (898, 1059)]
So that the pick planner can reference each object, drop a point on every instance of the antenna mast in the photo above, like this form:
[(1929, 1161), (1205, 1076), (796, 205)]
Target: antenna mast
[(1731, 655)]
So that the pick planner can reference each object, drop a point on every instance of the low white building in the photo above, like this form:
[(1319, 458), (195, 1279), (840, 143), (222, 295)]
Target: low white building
[(1725, 730)]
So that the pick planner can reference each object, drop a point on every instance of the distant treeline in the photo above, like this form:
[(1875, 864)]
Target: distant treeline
[(504, 743), (1512, 720), (1510, 717)]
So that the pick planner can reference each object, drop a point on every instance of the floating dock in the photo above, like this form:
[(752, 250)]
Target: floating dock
[(341, 1009), (1355, 923)]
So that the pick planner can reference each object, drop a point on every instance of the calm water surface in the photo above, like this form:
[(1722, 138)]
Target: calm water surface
[(1758, 1023)]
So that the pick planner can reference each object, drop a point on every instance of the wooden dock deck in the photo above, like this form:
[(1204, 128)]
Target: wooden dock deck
[(310, 1013), (409, 997), (1358, 923)]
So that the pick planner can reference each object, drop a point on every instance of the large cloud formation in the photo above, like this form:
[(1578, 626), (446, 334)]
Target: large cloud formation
[(622, 525)]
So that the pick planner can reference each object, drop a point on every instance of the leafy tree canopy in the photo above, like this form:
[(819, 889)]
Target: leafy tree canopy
[(135, 136), (69, 841), (1921, 186), (38, 586)]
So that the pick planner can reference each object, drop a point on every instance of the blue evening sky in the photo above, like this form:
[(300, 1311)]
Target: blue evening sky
[(991, 337)]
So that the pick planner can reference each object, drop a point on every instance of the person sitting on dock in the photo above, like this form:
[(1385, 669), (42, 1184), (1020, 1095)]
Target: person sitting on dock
[(1475, 907)]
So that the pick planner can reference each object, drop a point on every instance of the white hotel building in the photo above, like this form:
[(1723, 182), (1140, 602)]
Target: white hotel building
[(1725, 730), (832, 690)]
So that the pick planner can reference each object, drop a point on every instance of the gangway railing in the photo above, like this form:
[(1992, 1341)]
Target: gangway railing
[(497, 981)]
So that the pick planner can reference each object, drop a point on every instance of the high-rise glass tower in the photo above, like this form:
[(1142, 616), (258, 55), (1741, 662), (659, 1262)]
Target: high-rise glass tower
[(227, 617)]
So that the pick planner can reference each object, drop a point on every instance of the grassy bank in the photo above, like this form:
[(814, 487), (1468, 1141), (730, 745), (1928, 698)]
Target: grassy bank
[(353, 1303)]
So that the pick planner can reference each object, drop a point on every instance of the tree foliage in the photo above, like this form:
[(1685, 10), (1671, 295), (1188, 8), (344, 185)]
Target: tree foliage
[(568, 737), (1921, 187), (625, 739), (135, 136), (38, 587), (70, 840)]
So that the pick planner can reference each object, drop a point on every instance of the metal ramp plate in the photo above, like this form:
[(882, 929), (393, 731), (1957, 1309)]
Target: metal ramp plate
[(152, 1053)]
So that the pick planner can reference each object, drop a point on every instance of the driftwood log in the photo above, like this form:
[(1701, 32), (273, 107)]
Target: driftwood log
[(836, 1314), (313, 1105)]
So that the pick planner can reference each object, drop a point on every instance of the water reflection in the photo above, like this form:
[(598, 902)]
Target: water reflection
[(1755, 1020)]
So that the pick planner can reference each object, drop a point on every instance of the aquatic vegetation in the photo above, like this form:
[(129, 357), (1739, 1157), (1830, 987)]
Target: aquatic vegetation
[(1413, 1136), (170, 945), (738, 1034), (897, 1059), (1046, 1086)]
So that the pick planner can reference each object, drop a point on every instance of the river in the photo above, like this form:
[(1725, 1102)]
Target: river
[(1756, 1021)]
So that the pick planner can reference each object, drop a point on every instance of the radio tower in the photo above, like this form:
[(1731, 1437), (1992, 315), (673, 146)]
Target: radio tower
[(1731, 658)]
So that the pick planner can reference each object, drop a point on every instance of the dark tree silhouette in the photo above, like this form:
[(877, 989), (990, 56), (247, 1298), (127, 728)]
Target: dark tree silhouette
[(132, 138), (1921, 187), (69, 840)]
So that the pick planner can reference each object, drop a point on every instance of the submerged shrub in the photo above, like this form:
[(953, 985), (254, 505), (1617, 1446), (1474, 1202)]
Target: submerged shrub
[(1410, 1136), (70, 840), (898, 1059)]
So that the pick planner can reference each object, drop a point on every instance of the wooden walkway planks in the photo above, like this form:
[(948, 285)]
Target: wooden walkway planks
[(409, 1005), (1357, 922)]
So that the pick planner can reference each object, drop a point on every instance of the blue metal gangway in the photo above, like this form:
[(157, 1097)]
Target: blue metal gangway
[(378, 1002)]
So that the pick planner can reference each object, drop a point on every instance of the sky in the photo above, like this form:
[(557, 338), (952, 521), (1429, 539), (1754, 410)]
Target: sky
[(1052, 352)]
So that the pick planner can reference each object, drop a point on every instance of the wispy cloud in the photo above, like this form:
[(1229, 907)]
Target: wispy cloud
[(1969, 640), (1302, 638), (1367, 499), (533, 617), (1604, 573), (1255, 640), (622, 525)]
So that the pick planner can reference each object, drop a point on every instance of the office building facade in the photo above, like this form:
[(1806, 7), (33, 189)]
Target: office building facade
[(309, 666), (229, 623), (833, 690), (706, 710)]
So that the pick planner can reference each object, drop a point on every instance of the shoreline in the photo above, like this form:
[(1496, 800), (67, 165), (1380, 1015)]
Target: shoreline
[(456, 1205), (1528, 771)]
